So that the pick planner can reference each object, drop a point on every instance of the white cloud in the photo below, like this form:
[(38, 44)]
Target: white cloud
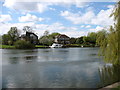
[(102, 18), (110, 6), (75, 33), (82, 26), (40, 28), (98, 28), (55, 27), (5, 27), (40, 5), (76, 18), (88, 26), (5, 18), (26, 6), (85, 26), (29, 18), (53, 9)]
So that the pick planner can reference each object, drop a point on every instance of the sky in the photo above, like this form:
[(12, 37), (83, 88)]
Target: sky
[(74, 18)]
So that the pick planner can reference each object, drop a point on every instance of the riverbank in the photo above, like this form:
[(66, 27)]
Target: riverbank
[(115, 86), (81, 45), (6, 47), (13, 47), (43, 46)]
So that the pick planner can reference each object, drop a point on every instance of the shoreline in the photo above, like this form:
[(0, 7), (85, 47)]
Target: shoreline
[(112, 86), (41, 46)]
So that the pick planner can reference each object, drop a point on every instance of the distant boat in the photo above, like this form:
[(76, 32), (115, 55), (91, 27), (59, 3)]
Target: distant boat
[(54, 45), (81, 45)]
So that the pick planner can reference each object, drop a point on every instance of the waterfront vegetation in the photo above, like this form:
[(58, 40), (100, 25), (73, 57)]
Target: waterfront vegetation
[(116, 88), (22, 44), (110, 42), (41, 46), (44, 46), (7, 47), (13, 47), (12, 39)]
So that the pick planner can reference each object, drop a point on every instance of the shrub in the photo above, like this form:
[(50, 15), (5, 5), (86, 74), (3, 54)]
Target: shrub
[(22, 44)]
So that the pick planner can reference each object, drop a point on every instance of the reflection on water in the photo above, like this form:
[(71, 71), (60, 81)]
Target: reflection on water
[(55, 68), (109, 74)]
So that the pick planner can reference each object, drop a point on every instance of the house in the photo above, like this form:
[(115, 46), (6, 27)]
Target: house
[(30, 36), (62, 39)]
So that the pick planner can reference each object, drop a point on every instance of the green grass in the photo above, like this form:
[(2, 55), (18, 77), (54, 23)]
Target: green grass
[(7, 47), (41, 46), (37, 46), (79, 45), (117, 88), (12, 47)]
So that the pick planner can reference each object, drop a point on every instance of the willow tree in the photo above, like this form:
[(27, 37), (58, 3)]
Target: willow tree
[(110, 48)]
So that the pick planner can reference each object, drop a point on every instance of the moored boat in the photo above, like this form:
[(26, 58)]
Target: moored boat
[(55, 45)]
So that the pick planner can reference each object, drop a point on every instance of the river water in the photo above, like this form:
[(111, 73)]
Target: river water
[(55, 68)]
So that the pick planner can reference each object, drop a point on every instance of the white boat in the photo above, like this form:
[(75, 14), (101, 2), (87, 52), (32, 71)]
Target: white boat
[(55, 45), (81, 45)]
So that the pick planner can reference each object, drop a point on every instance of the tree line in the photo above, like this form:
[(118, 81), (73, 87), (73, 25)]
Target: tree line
[(47, 39)]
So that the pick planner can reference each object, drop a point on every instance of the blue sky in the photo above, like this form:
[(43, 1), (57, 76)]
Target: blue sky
[(74, 18)]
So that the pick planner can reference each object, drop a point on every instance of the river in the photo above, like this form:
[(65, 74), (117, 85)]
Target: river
[(55, 68)]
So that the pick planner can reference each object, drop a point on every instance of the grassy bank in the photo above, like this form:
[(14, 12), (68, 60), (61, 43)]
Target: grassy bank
[(41, 46), (116, 88), (7, 47), (13, 47), (81, 45)]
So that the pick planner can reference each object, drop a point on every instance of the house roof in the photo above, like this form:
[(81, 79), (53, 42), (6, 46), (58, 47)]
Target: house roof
[(62, 36), (31, 33)]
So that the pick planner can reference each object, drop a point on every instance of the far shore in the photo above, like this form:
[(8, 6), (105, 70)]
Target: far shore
[(43, 46)]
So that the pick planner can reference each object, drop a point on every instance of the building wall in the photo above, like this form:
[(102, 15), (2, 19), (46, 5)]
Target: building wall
[(62, 39)]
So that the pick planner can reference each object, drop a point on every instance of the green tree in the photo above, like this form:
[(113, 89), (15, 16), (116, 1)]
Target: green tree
[(102, 38), (79, 40), (72, 40), (22, 44), (110, 48), (85, 39), (27, 29), (14, 34), (0, 39), (53, 34), (6, 39), (47, 39), (46, 33), (92, 37)]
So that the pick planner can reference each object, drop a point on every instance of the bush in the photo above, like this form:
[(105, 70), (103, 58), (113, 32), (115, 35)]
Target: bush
[(21, 44)]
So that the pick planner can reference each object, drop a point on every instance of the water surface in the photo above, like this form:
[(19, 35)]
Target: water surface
[(55, 68)]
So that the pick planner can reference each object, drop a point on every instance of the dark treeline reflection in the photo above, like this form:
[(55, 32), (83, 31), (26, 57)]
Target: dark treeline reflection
[(21, 56), (109, 74)]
